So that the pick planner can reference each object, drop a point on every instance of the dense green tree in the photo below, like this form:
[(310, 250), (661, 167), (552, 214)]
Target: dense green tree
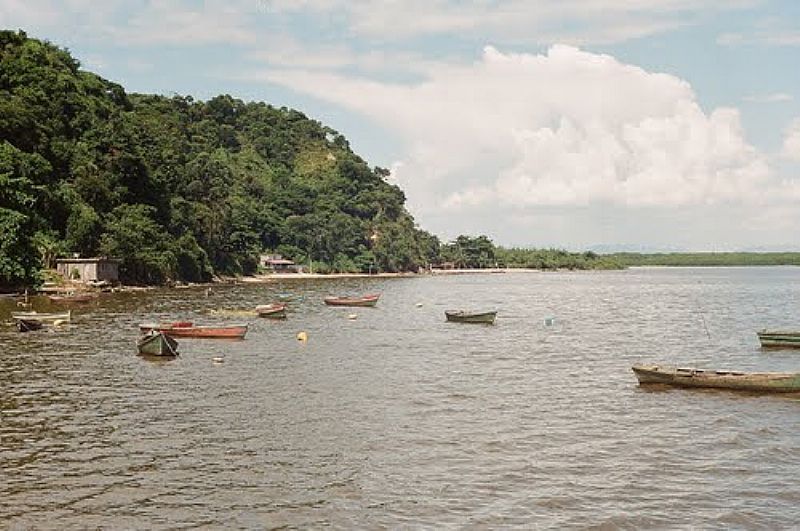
[(19, 256), (133, 235)]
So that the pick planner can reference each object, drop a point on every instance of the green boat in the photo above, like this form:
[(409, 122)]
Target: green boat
[(157, 344), (461, 316), (779, 338), (772, 382)]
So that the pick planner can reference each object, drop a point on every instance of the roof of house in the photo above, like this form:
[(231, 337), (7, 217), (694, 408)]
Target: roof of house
[(88, 260)]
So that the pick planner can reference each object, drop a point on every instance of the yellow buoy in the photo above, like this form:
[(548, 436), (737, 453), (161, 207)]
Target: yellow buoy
[(302, 336)]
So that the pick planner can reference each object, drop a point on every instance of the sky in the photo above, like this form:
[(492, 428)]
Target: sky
[(579, 124)]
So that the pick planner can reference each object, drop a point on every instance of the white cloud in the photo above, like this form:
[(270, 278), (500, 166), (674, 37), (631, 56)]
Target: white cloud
[(176, 22), (775, 97), (564, 128), (186, 24), (511, 21), (791, 141)]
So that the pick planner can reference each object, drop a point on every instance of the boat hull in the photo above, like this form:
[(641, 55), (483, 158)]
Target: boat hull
[(28, 325), (157, 344), (458, 316), (773, 382), (36, 316), (779, 339), (66, 299), (200, 332), (367, 300), (272, 311)]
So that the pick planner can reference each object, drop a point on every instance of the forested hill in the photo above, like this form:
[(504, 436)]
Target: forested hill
[(178, 188)]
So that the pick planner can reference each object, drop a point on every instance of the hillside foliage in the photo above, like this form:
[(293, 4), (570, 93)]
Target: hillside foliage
[(180, 189)]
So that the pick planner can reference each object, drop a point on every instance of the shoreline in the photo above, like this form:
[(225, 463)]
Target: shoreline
[(267, 277)]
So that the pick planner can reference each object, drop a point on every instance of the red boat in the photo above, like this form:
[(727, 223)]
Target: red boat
[(188, 329), (366, 300)]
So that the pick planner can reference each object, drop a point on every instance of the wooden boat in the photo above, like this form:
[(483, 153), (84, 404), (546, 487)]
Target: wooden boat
[(188, 329), (365, 300), (461, 316), (157, 344), (779, 338), (774, 382), (27, 325), (275, 310), (37, 316), (80, 297)]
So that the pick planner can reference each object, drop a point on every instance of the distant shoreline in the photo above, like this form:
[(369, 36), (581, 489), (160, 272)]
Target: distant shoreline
[(267, 277)]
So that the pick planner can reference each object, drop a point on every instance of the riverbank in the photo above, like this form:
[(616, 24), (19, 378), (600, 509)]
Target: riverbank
[(268, 277)]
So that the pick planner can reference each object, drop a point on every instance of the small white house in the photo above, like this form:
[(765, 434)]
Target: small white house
[(275, 263), (89, 269)]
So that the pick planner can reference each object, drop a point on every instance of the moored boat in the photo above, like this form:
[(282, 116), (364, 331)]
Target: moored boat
[(42, 316), (779, 338), (28, 325), (275, 310), (78, 297), (156, 343), (773, 382), (365, 300), (462, 316), (188, 329)]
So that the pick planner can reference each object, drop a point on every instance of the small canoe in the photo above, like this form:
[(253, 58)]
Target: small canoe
[(275, 310), (37, 316), (157, 344), (188, 329), (461, 316), (773, 382), (365, 300), (779, 338), (28, 325), (66, 299)]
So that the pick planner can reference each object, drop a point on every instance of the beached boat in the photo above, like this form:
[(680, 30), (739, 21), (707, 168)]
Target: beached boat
[(365, 300), (461, 316), (157, 344), (37, 316), (275, 310), (774, 382), (188, 329), (27, 325), (78, 297), (779, 338)]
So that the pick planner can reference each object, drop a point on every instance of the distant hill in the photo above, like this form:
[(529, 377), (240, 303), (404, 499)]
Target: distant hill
[(179, 188)]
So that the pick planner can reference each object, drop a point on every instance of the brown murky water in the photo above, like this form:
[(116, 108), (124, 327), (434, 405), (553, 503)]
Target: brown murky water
[(400, 419)]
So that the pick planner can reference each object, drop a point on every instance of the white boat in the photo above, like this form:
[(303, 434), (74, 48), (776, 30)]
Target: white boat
[(37, 316)]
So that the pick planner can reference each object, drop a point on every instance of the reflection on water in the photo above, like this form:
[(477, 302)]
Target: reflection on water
[(399, 418)]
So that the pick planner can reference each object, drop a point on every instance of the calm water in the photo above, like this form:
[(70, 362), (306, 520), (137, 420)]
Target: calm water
[(400, 419)]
